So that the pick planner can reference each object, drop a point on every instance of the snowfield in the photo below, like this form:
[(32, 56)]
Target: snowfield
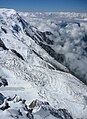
[(43, 65)]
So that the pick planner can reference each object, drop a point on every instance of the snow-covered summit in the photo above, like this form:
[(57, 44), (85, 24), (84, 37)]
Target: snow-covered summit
[(35, 70), (8, 11)]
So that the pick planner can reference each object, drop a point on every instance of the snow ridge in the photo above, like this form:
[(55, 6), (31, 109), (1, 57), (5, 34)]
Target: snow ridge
[(34, 70)]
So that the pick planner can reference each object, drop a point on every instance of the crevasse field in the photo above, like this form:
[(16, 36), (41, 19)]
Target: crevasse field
[(43, 65)]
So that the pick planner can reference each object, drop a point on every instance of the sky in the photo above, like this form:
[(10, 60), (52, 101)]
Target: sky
[(46, 5)]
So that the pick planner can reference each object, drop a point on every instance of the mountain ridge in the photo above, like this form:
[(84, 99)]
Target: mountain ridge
[(36, 76)]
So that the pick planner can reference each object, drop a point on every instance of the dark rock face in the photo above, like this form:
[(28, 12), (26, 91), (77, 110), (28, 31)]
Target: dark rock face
[(6, 106), (4, 30), (43, 106), (3, 81), (58, 57), (45, 37), (61, 113), (37, 54), (17, 54), (16, 28), (1, 99), (3, 45), (43, 40), (46, 108)]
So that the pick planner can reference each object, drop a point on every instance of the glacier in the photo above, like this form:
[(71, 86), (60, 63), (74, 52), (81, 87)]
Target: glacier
[(43, 61)]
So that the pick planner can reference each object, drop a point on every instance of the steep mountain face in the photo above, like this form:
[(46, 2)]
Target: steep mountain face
[(68, 38), (32, 68)]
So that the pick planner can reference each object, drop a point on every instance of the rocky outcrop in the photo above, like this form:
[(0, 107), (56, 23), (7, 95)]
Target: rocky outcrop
[(3, 81), (42, 109), (3, 45), (1, 98), (17, 54)]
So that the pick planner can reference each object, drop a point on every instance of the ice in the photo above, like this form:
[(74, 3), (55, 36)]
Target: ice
[(37, 75)]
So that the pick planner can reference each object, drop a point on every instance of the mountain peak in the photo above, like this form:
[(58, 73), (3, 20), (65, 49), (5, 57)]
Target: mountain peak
[(37, 64)]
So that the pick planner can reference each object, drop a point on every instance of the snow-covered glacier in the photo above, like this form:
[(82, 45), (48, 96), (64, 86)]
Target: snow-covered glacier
[(43, 65)]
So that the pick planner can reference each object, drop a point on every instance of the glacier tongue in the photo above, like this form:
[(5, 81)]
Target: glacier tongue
[(30, 72)]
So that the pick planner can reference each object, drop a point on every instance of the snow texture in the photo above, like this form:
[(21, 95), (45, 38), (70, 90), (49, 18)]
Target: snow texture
[(37, 62)]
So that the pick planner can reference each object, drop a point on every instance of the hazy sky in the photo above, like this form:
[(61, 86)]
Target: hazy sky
[(45, 5)]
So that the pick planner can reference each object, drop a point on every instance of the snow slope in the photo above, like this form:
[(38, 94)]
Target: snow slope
[(68, 36), (34, 74)]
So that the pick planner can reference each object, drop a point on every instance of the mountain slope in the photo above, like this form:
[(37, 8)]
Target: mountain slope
[(30, 71), (68, 38)]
